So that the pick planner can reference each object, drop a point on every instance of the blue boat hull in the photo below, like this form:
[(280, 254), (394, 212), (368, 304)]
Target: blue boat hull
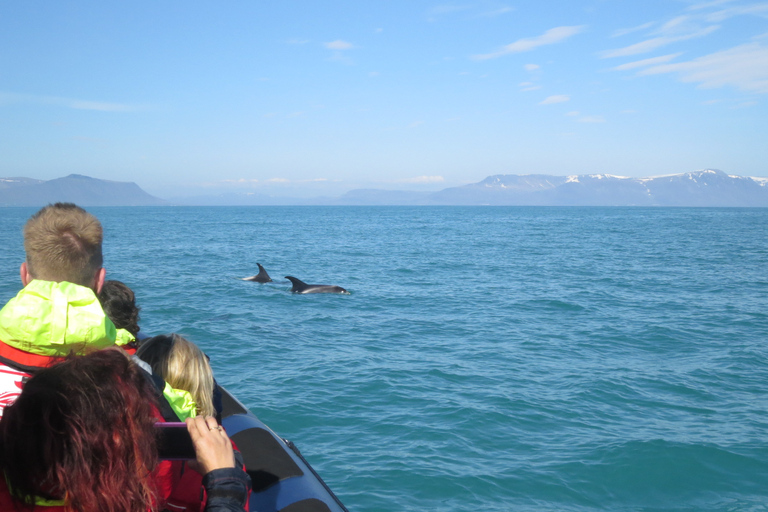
[(283, 481)]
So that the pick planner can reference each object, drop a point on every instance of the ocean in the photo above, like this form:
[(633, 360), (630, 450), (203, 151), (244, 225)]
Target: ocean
[(486, 358)]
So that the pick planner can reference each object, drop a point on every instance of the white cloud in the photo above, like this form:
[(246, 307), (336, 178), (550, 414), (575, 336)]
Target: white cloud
[(573, 113), (592, 119), (724, 14), (707, 5), (744, 67), (338, 45), (647, 62), (441, 10), (497, 12), (624, 31), (532, 67), (559, 98), (76, 104), (97, 105), (551, 36), (239, 181), (424, 179), (654, 43)]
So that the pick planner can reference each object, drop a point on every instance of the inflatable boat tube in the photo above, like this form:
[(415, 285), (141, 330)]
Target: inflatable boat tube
[(283, 481)]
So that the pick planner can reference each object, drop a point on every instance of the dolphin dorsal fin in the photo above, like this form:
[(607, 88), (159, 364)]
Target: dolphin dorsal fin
[(298, 284), (263, 273)]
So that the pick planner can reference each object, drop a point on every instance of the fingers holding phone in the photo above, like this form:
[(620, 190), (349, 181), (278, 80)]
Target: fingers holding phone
[(212, 445)]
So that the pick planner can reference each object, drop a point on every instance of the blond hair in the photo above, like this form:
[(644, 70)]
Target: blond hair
[(63, 243), (183, 366)]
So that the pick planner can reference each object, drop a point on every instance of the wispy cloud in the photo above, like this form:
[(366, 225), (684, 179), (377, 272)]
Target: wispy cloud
[(98, 105), (338, 45), (624, 31), (654, 43), (238, 181), (76, 104), (647, 62), (559, 98), (592, 119), (724, 14), (529, 86), (551, 36), (707, 5), (497, 12), (448, 9), (423, 179), (744, 67)]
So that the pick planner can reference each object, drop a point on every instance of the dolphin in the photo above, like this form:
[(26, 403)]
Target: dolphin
[(300, 286), (261, 277)]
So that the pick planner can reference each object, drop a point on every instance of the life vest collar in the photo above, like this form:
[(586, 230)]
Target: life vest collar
[(54, 319), (25, 361)]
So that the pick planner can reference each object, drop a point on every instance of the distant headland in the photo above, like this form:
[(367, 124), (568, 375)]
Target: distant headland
[(707, 187)]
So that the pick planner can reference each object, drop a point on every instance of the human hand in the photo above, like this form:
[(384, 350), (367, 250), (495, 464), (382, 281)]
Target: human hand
[(212, 445)]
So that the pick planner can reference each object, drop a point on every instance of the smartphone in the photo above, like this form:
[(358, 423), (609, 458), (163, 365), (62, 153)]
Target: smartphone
[(174, 442)]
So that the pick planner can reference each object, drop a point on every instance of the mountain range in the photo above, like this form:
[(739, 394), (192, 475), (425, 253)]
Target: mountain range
[(75, 188), (707, 187)]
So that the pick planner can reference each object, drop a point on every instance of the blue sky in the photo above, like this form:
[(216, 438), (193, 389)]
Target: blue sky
[(316, 98)]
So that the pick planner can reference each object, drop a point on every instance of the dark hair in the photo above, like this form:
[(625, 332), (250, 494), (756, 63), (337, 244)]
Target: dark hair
[(119, 303), (63, 243), (82, 430)]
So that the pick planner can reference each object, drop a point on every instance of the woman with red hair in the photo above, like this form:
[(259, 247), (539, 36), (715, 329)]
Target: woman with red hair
[(81, 438)]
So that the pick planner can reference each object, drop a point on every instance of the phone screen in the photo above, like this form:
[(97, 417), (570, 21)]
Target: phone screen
[(173, 442)]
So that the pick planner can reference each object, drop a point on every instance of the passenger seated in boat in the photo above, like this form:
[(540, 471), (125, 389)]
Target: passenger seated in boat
[(119, 303), (182, 364), (185, 368), (57, 312), (81, 437)]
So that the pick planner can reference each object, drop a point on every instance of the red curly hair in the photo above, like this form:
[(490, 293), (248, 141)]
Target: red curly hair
[(82, 431)]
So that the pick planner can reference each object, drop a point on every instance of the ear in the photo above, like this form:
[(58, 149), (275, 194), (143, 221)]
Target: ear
[(98, 280), (26, 278)]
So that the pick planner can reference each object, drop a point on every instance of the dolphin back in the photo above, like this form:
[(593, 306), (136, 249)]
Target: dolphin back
[(300, 286)]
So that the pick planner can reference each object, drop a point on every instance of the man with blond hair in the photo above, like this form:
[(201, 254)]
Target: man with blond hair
[(57, 313)]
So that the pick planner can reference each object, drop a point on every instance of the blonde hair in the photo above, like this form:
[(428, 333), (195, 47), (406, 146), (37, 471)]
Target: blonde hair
[(63, 243), (182, 365), (187, 368)]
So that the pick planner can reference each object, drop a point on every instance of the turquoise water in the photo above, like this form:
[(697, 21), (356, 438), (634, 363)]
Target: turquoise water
[(490, 359)]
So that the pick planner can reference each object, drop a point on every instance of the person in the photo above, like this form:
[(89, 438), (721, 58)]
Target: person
[(189, 381), (183, 366), (81, 438), (57, 312), (119, 304)]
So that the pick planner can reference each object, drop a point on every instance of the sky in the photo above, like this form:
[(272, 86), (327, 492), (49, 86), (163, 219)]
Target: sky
[(300, 98)]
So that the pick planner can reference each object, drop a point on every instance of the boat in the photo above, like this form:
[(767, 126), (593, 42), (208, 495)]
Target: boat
[(283, 481)]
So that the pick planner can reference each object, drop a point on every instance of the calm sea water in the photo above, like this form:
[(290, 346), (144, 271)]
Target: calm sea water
[(496, 359)]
